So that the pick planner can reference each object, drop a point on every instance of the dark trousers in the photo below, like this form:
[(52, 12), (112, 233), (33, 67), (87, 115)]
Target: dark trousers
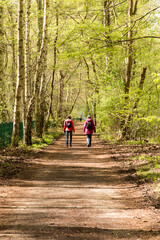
[(68, 133), (89, 139)]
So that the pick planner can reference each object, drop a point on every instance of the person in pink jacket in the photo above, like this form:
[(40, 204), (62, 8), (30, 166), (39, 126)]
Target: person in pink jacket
[(68, 128), (89, 128)]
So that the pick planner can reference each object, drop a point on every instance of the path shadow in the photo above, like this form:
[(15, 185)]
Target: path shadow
[(41, 232)]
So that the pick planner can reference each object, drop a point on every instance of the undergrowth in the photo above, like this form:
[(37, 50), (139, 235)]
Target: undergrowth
[(149, 168), (47, 139)]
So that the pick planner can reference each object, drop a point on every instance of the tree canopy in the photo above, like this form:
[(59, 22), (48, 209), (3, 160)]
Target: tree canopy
[(79, 57)]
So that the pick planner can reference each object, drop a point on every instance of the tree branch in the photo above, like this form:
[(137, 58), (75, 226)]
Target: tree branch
[(138, 38), (140, 18), (135, 8), (152, 10), (126, 40)]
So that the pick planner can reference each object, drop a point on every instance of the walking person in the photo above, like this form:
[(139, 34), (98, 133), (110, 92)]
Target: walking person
[(88, 128), (68, 128)]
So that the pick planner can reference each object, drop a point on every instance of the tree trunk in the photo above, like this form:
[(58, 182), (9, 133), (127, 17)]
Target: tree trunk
[(141, 83), (40, 99), (88, 81), (27, 121), (96, 92), (53, 73), (2, 66), (50, 104), (107, 20), (20, 77), (129, 61), (39, 69), (13, 30), (38, 120), (107, 23), (40, 23), (129, 58), (61, 100), (43, 79), (79, 90)]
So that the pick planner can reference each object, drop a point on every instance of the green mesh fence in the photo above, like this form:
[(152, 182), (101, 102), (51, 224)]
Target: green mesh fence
[(6, 133)]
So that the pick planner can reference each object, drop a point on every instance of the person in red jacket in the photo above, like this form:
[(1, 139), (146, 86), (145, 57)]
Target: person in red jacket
[(68, 129), (88, 128)]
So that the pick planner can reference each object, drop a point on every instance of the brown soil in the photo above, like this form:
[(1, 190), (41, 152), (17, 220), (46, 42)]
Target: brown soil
[(78, 193)]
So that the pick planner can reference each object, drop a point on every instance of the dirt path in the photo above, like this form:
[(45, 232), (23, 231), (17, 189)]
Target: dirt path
[(76, 193)]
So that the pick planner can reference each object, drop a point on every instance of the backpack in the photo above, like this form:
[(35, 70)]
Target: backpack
[(69, 124), (89, 125)]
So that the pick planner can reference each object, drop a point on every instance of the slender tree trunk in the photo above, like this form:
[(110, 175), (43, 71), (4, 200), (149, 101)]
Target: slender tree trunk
[(27, 118), (79, 90), (87, 104), (129, 58), (2, 66), (67, 100), (38, 120), (107, 23), (14, 65), (88, 81), (106, 13), (40, 100), (39, 68), (53, 72), (132, 9), (129, 63), (61, 96), (141, 83), (73, 105), (20, 77), (40, 23), (43, 107), (51, 100), (96, 92)]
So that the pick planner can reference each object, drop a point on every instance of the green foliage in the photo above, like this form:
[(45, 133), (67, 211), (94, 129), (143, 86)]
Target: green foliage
[(47, 139), (82, 34)]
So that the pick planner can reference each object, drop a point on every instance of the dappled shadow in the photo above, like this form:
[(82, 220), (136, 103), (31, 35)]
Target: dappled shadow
[(86, 175), (44, 231)]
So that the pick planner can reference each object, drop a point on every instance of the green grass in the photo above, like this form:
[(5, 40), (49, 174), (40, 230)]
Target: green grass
[(148, 168), (47, 139), (132, 142)]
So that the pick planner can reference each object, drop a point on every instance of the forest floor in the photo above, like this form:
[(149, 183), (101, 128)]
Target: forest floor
[(78, 193)]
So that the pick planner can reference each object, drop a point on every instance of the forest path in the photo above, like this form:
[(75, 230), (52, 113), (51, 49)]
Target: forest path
[(76, 193)]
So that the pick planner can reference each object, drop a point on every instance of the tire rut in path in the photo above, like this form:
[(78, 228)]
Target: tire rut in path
[(75, 193)]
